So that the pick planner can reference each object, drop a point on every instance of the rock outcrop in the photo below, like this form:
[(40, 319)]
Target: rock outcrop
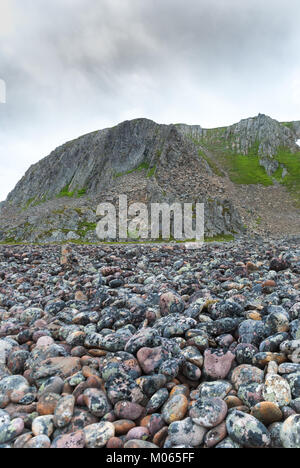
[(56, 200), (265, 133)]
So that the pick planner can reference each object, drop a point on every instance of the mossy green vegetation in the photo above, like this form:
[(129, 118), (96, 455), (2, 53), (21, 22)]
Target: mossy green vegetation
[(246, 169), (142, 167), (81, 192), (84, 227), (242, 169), (28, 203), (82, 241), (289, 125), (151, 172), (220, 238), (31, 202), (291, 161), (65, 192)]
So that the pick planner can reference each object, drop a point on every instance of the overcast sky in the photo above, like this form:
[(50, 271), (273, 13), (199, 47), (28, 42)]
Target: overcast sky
[(74, 66)]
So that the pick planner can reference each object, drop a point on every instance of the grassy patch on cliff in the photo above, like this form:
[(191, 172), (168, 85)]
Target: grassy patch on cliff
[(84, 227), (289, 125), (242, 169), (65, 192), (291, 161), (220, 238), (246, 169), (142, 167), (34, 202)]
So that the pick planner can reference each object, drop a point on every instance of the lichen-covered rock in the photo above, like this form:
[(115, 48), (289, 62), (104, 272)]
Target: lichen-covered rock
[(277, 390), (251, 394), (214, 436), (175, 409), (139, 444), (278, 322), (171, 303), (150, 384), (216, 389), (97, 435), (147, 337), (64, 411), (208, 412), (157, 400), (191, 371), (246, 374), (193, 355), (294, 383), (228, 443), (43, 425), (290, 432), (59, 366), (154, 382), (38, 442), (247, 430), (11, 430), (186, 433), (245, 352), (96, 401), (15, 385), (174, 325), (119, 388), (275, 430)]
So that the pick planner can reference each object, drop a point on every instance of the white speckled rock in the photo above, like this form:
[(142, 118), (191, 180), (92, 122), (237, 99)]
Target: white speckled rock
[(38, 442), (64, 411), (208, 412), (247, 430), (290, 432), (186, 433), (44, 341), (4, 418), (11, 430), (277, 390), (97, 435), (43, 425), (5, 349)]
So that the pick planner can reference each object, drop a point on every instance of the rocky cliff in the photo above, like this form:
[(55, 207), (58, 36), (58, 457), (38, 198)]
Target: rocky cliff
[(56, 200)]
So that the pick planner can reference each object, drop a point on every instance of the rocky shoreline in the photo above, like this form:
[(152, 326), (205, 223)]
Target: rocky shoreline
[(150, 346)]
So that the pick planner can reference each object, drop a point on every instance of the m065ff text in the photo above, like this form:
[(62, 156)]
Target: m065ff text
[(172, 457)]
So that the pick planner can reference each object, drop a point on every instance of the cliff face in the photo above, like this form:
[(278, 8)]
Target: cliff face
[(296, 128), (91, 162), (266, 133), (56, 199)]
